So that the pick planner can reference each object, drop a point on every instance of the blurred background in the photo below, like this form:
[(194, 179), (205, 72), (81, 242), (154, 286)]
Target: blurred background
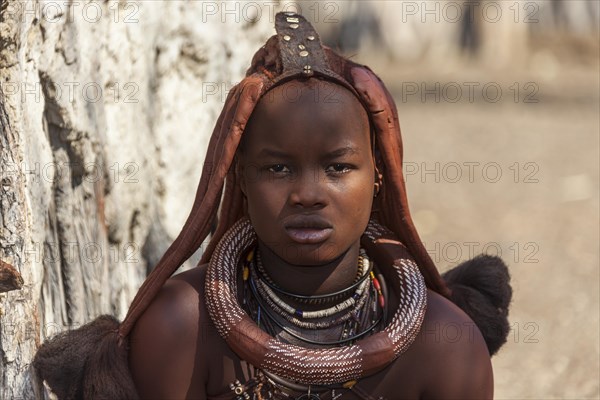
[(107, 108)]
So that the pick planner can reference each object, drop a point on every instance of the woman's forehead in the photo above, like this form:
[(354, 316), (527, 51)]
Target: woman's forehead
[(307, 91), (308, 112), (314, 97)]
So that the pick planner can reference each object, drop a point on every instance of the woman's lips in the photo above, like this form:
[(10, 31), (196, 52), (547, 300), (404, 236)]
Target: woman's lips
[(308, 228), (308, 235)]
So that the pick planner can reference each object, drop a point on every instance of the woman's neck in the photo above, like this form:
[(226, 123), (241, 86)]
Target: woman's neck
[(310, 280)]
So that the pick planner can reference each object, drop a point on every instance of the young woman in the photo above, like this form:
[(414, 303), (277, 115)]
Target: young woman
[(315, 284)]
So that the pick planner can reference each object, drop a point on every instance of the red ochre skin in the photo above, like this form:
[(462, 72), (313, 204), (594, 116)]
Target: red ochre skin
[(307, 170)]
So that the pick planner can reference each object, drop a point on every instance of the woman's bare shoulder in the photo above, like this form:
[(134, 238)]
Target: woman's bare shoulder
[(443, 312), (178, 306), (168, 344), (458, 358)]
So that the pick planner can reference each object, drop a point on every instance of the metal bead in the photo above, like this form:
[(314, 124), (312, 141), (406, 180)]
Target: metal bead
[(292, 19), (301, 46), (303, 53), (294, 26), (287, 38), (311, 38)]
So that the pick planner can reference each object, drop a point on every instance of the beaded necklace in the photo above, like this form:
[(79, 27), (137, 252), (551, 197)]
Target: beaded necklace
[(267, 290), (351, 323), (314, 299)]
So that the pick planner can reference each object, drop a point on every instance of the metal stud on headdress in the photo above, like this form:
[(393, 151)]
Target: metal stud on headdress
[(301, 51)]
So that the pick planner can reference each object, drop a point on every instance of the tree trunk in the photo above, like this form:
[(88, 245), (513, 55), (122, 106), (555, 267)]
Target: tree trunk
[(105, 111)]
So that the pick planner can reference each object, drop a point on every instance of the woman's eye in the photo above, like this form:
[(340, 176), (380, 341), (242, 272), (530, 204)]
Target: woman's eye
[(339, 168), (279, 168)]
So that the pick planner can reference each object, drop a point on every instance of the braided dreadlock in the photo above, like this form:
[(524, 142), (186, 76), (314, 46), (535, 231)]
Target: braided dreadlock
[(91, 362)]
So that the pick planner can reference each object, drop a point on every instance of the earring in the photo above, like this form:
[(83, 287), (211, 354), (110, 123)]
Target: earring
[(378, 183), (377, 186)]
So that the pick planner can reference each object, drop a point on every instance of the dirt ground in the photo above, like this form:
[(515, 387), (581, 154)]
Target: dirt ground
[(517, 176)]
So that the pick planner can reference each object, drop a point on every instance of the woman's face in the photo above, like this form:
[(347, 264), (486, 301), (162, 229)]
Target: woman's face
[(307, 171)]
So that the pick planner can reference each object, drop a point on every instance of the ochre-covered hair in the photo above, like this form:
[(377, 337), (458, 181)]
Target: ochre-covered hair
[(97, 352)]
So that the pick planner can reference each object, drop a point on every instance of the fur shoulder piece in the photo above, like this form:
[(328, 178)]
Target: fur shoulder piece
[(87, 363), (481, 288)]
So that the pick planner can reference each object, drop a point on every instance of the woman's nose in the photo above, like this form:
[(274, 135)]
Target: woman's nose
[(308, 191)]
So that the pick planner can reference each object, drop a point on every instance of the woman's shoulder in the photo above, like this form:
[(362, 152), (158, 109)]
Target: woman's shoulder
[(179, 305), (173, 334), (448, 329), (455, 352), (444, 313)]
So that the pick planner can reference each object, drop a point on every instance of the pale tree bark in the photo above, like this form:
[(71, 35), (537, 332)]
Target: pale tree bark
[(105, 111)]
